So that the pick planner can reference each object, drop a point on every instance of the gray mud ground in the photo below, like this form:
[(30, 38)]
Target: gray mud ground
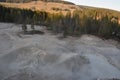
[(46, 57)]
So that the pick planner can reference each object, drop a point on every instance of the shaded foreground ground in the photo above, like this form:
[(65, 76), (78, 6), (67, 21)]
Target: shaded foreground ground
[(46, 57)]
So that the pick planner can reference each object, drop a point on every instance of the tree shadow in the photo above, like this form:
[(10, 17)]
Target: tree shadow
[(32, 32)]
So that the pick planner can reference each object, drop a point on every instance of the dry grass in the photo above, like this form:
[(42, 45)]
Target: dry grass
[(44, 6)]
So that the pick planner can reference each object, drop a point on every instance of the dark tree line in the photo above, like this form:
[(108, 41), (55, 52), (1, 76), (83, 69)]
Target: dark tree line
[(85, 22), (20, 16), (94, 21)]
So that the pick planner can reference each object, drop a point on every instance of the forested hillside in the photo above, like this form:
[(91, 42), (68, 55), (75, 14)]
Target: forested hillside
[(18, 1), (100, 22), (25, 1)]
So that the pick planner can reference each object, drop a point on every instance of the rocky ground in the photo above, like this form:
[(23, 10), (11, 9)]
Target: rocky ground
[(47, 57)]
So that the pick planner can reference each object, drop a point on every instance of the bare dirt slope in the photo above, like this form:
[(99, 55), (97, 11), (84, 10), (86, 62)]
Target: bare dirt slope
[(46, 57)]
